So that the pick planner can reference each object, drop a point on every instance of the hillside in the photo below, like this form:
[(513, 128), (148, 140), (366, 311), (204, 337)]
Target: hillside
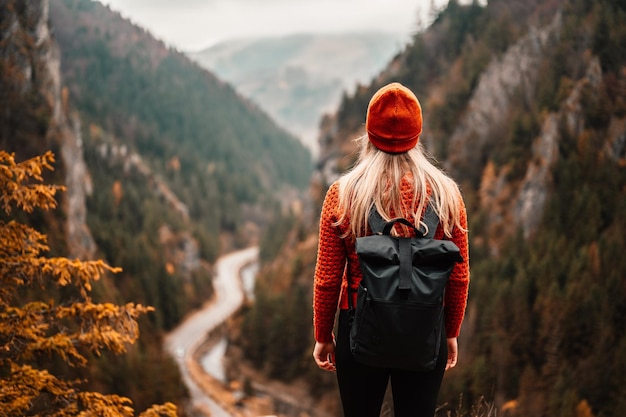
[(524, 105), (158, 95), (182, 163), (297, 78), (165, 168), (154, 122)]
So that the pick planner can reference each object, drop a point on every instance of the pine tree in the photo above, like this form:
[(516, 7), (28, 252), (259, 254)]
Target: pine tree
[(47, 317)]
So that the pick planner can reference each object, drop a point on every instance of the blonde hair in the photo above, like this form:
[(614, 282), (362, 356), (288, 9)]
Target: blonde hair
[(375, 180)]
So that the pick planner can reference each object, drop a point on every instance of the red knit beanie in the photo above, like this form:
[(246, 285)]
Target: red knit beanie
[(394, 119)]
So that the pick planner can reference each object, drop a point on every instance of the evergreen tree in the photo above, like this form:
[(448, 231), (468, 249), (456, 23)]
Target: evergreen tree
[(47, 317)]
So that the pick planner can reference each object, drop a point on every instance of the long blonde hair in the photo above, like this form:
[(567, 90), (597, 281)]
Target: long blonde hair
[(375, 180)]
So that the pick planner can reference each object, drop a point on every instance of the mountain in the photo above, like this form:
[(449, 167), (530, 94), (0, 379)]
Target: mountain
[(36, 117), (297, 78), (165, 168), (179, 159), (524, 105)]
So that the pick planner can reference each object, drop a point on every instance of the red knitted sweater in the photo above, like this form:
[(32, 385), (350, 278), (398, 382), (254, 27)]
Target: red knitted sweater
[(337, 261)]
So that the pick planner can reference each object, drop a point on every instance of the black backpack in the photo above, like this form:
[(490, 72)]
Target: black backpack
[(398, 319)]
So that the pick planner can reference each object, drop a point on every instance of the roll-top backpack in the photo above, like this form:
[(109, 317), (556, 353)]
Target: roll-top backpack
[(398, 318)]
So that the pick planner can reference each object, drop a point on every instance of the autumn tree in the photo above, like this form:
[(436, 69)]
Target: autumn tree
[(47, 318)]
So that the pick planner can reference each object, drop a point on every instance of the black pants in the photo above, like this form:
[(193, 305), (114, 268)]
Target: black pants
[(362, 388)]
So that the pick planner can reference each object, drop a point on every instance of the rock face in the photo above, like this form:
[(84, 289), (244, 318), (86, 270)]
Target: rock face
[(78, 182), (503, 79), (524, 202), (497, 89), (66, 128), (34, 57), (508, 204), (535, 186), (39, 73)]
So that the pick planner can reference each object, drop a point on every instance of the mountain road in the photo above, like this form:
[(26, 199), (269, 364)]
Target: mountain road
[(189, 335)]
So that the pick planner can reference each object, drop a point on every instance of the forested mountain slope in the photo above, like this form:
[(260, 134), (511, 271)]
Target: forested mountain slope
[(165, 166), (525, 106), (182, 164), (297, 78), (173, 112)]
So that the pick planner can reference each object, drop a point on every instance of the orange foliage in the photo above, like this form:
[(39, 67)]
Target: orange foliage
[(583, 409), (67, 328), (174, 164), (117, 192)]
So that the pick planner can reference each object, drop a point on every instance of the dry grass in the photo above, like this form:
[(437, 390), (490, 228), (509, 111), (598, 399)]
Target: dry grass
[(482, 408)]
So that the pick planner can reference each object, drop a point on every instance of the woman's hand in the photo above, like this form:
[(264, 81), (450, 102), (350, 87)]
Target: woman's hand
[(324, 355), (453, 353)]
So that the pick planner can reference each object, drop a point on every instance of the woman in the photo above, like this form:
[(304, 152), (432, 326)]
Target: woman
[(393, 174)]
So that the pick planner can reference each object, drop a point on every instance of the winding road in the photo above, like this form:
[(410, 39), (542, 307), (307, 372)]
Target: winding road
[(187, 337)]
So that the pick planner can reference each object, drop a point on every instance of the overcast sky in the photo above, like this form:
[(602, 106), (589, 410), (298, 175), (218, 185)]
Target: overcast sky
[(191, 25)]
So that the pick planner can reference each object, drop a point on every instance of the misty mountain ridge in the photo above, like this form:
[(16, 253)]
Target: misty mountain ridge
[(298, 78)]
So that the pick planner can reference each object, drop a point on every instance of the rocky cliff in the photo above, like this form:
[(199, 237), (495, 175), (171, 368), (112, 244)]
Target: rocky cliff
[(36, 115), (30, 50), (508, 80)]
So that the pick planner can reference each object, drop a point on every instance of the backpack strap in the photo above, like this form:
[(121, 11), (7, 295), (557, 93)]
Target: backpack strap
[(379, 226), (431, 220), (376, 221)]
